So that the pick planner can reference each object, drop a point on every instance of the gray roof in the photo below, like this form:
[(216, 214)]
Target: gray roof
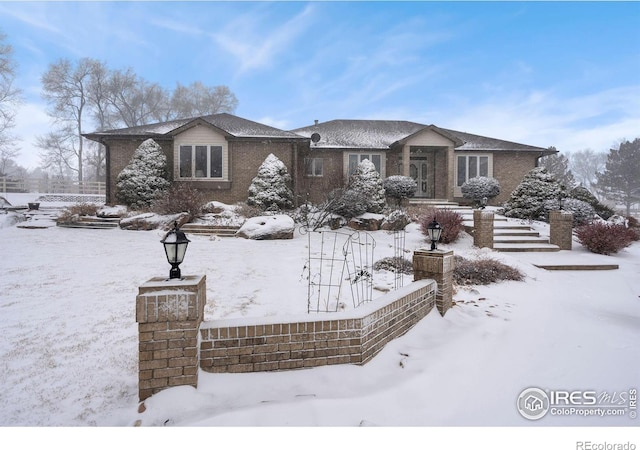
[(229, 124), (383, 134)]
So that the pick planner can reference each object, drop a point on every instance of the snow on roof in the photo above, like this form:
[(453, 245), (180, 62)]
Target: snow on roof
[(230, 124), (381, 134)]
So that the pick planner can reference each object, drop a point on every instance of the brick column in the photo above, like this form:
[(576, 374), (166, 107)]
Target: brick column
[(169, 313), (561, 233), (482, 228), (438, 266)]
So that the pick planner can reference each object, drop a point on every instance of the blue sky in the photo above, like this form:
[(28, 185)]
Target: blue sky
[(565, 74)]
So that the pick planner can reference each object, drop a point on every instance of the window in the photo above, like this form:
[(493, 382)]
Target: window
[(471, 166), (313, 167), (200, 161), (356, 158)]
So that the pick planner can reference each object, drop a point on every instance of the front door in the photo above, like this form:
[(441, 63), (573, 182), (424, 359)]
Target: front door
[(422, 170)]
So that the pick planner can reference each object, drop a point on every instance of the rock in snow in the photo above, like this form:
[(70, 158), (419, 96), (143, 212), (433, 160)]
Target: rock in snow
[(278, 226)]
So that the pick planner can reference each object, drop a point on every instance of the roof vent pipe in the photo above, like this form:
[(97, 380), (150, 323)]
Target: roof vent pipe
[(316, 121)]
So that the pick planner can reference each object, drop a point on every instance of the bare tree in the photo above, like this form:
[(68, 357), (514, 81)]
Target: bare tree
[(58, 151), (134, 101), (10, 98), (200, 100), (66, 89), (585, 164)]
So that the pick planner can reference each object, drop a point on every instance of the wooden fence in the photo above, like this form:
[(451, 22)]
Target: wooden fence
[(47, 186)]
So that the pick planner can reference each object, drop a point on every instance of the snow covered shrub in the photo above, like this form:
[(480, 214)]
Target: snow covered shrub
[(145, 177), (582, 193), (394, 264), (450, 221), (485, 270), (396, 221), (247, 211), (366, 181), (400, 187), (605, 238), (269, 190), (180, 198), (582, 211), (480, 187), (347, 203), (528, 199), (74, 212)]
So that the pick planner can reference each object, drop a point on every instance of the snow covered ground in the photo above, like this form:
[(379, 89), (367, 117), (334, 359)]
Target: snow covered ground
[(68, 352)]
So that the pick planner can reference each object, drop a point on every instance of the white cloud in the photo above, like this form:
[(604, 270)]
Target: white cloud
[(31, 121), (281, 124), (255, 43)]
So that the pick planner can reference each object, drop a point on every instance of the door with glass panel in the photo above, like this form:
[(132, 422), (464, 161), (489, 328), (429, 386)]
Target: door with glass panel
[(422, 170)]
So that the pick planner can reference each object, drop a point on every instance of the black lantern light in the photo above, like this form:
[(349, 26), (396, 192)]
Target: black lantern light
[(175, 246), (434, 230)]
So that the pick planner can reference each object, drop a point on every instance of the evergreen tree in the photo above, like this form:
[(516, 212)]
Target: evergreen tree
[(366, 181), (145, 177), (269, 190), (620, 180), (528, 199), (558, 166)]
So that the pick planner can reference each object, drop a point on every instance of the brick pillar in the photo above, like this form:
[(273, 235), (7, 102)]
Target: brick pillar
[(561, 233), (436, 265), (169, 313), (482, 228)]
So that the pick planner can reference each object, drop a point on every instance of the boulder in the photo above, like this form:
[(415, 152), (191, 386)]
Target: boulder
[(277, 226), (152, 221), (366, 222), (112, 212)]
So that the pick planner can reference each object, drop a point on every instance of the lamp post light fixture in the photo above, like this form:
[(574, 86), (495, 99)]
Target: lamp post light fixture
[(175, 246), (434, 230)]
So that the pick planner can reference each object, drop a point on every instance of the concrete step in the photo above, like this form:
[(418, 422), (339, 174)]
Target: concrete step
[(509, 232), (509, 247), (520, 240)]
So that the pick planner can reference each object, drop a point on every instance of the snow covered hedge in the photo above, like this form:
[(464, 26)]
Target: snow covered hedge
[(269, 190), (480, 187), (582, 212), (145, 177)]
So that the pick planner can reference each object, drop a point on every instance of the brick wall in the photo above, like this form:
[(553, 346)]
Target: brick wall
[(510, 168), (483, 228), (247, 345)]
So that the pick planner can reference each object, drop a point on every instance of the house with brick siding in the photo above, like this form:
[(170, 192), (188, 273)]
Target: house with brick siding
[(221, 153)]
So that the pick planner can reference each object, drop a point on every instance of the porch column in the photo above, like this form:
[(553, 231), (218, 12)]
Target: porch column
[(451, 176), (406, 163)]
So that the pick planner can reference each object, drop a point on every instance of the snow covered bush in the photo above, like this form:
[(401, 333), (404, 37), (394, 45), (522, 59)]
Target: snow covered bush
[(180, 198), (400, 187), (269, 190), (347, 203), (605, 238), (484, 270), (480, 187), (366, 181), (450, 221), (528, 199), (145, 177), (582, 212), (73, 213), (582, 193), (394, 264)]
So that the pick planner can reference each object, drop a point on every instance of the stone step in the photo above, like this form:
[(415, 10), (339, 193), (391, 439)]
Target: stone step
[(578, 266), (89, 225), (509, 247), (210, 230), (508, 232)]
